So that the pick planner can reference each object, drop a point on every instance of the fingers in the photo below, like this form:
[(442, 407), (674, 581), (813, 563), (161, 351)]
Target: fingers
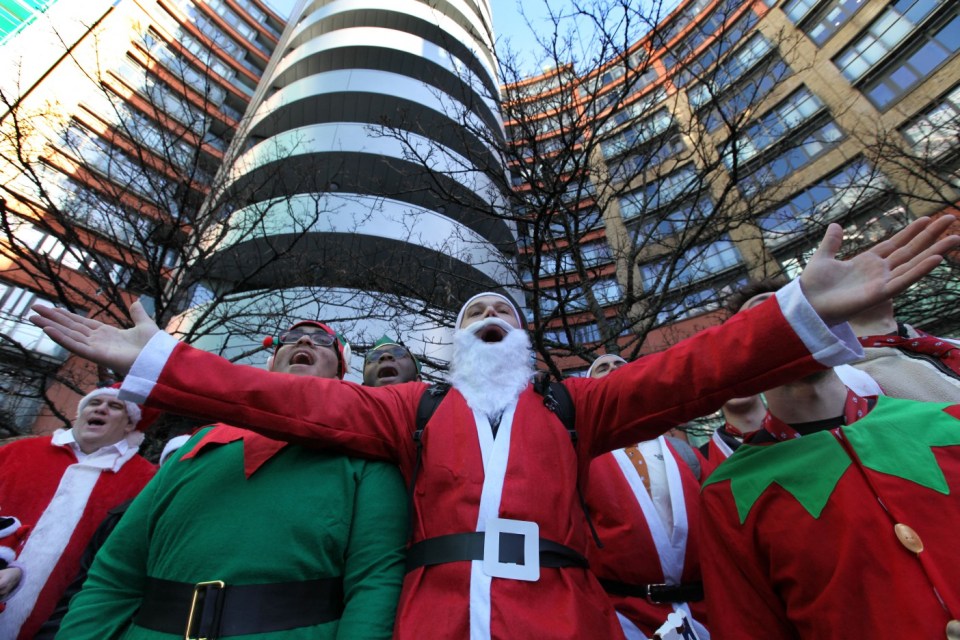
[(911, 273), (901, 238), (139, 314), (53, 316), (939, 248), (830, 244), (914, 240), (67, 329)]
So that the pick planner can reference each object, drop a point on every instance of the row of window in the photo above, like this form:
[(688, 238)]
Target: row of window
[(794, 156), (829, 199), (101, 269), (898, 27), (938, 130), (15, 303), (699, 67), (593, 254), (821, 23), (637, 133), (697, 263), (800, 107), (659, 193)]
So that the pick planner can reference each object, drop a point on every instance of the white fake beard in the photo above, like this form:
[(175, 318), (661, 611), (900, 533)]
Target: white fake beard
[(490, 375)]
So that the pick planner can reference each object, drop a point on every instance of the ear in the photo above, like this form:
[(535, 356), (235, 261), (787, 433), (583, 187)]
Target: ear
[(130, 427), (270, 363)]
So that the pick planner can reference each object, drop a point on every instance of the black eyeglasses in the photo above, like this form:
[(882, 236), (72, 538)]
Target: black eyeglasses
[(397, 352), (320, 338)]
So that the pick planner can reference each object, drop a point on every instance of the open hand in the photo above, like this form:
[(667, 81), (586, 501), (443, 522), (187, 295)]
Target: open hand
[(840, 289), (99, 342)]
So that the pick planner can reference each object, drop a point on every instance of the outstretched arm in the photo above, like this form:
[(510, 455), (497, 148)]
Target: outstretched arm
[(836, 289)]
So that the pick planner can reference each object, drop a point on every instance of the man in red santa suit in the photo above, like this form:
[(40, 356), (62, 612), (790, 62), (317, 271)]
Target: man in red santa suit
[(498, 534), (644, 503), (62, 486)]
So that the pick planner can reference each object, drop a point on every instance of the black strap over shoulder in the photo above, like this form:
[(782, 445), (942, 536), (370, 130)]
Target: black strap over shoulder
[(556, 398)]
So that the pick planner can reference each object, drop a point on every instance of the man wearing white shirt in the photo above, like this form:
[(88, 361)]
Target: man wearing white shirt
[(644, 503), (62, 486)]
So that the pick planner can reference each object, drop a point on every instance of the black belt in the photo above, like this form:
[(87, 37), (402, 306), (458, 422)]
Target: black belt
[(687, 592), (469, 546), (214, 609)]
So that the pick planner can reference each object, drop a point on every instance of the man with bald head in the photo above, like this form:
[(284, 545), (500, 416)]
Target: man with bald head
[(498, 534)]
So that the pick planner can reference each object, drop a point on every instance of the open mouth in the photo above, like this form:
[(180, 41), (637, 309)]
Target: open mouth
[(99, 422), (492, 334), (302, 357), (387, 371)]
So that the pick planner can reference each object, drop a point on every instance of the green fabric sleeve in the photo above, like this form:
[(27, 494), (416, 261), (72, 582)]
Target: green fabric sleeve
[(374, 564)]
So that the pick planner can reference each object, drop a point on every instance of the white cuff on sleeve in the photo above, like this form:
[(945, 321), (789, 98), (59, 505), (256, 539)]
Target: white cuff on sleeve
[(830, 346), (146, 369)]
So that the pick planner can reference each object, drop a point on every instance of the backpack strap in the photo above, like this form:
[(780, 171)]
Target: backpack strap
[(556, 398), (686, 453), (427, 406)]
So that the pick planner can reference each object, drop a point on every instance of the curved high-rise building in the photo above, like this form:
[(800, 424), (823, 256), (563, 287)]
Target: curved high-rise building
[(361, 183)]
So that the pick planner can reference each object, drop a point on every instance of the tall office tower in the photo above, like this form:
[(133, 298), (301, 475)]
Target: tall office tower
[(114, 119), (359, 187), (718, 147)]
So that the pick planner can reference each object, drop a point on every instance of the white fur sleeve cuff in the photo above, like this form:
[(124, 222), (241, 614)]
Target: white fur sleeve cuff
[(146, 369), (830, 346)]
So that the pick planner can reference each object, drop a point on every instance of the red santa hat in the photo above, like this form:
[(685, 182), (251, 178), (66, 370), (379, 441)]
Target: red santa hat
[(13, 535), (466, 304), (133, 410)]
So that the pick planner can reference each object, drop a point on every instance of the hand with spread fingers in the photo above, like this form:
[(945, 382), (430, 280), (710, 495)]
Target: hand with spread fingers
[(839, 289), (99, 342)]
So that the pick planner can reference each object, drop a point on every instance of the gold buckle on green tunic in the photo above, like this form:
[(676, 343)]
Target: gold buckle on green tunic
[(198, 589)]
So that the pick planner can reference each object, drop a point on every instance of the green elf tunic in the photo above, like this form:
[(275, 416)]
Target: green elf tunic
[(245, 509), (845, 533)]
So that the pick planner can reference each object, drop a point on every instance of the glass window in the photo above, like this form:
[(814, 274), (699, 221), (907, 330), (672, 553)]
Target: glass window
[(889, 30), (746, 94), (15, 303), (776, 124), (659, 193), (794, 157), (852, 186), (732, 69), (696, 263), (938, 130), (637, 133), (826, 21), (697, 68), (607, 291), (917, 62)]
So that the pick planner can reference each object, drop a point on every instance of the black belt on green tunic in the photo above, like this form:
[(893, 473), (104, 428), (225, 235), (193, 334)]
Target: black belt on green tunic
[(214, 609), (469, 546)]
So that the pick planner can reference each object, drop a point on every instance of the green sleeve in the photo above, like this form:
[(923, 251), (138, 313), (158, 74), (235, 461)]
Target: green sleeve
[(374, 566)]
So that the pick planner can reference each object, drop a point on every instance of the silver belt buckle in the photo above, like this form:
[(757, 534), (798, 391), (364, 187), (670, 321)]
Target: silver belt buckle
[(529, 571)]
